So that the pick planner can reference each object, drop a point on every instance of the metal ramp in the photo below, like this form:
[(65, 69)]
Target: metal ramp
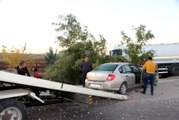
[(46, 84)]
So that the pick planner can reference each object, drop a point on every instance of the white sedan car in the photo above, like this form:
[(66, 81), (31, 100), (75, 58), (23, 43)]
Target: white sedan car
[(114, 76)]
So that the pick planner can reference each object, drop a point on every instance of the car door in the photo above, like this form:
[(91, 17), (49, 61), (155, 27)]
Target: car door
[(129, 75), (137, 73)]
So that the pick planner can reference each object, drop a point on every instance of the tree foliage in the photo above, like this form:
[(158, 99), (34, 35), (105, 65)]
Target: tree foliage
[(51, 56), (76, 39), (61, 70), (135, 52), (77, 43), (15, 55)]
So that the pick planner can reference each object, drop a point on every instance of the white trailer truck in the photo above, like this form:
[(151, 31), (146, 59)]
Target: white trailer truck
[(166, 56), (14, 89)]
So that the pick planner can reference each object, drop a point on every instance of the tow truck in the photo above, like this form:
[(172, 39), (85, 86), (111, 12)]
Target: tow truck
[(16, 89)]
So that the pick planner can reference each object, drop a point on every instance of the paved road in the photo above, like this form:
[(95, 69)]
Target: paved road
[(164, 105)]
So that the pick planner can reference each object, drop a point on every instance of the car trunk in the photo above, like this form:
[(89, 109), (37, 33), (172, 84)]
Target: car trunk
[(98, 76)]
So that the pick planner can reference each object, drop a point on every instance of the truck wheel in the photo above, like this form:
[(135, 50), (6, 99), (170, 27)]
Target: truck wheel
[(123, 89), (12, 109), (174, 69)]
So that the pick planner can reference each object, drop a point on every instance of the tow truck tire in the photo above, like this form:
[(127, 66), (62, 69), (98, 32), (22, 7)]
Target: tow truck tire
[(174, 69), (12, 109)]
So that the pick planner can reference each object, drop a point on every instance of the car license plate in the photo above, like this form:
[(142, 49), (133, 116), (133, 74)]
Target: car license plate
[(95, 86)]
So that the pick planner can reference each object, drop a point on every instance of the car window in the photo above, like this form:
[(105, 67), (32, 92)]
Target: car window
[(125, 69), (134, 69), (121, 69), (106, 67)]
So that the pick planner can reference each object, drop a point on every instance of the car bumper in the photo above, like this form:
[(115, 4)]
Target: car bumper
[(107, 85)]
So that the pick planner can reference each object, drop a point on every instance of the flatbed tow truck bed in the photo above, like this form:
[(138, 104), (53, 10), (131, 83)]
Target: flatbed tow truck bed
[(9, 102)]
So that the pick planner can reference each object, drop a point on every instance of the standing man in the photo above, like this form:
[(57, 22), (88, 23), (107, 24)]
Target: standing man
[(86, 67), (150, 67), (22, 69)]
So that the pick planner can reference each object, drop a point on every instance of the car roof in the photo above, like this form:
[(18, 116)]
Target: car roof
[(118, 63)]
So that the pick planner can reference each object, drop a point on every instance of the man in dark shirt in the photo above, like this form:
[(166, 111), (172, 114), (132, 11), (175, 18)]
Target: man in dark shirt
[(22, 69), (86, 67)]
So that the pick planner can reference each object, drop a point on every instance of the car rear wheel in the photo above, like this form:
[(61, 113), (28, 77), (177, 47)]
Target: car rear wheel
[(123, 89)]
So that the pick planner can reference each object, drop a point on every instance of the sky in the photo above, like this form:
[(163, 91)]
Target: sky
[(30, 21)]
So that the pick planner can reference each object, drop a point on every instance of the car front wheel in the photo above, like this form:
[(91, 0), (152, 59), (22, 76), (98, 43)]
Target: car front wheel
[(123, 89)]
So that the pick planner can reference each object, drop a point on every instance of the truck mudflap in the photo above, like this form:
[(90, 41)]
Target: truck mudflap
[(41, 83)]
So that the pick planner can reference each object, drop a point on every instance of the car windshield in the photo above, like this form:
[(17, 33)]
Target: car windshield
[(106, 67)]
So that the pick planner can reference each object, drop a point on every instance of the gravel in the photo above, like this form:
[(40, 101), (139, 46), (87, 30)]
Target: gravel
[(164, 105)]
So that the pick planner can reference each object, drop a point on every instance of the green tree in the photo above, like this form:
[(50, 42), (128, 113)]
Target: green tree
[(61, 70), (135, 52), (76, 39), (51, 56), (77, 43)]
